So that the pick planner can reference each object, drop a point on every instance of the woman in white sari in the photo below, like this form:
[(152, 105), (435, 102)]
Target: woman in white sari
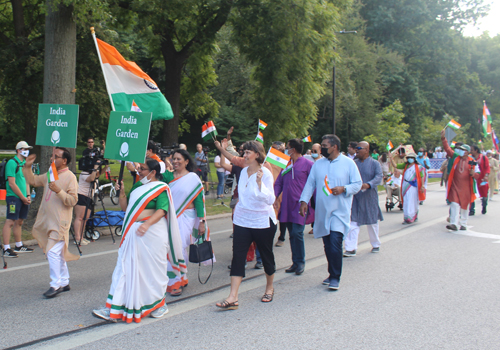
[(150, 238), (189, 202), (414, 182)]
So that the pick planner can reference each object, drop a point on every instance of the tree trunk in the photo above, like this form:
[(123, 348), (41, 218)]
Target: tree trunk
[(59, 76), (18, 14), (174, 62)]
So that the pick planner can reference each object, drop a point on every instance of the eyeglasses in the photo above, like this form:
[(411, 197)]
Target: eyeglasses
[(314, 151), (90, 141), (360, 148), (56, 156), (142, 169)]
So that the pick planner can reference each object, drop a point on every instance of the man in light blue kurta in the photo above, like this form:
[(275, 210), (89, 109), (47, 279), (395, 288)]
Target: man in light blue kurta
[(333, 202)]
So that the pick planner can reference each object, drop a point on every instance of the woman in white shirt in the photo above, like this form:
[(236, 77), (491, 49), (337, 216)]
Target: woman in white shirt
[(254, 221)]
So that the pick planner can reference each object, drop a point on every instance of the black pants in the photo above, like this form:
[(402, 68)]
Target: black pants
[(243, 237), (282, 231)]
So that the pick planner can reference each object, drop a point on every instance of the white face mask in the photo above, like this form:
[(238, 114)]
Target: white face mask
[(25, 153), (145, 179)]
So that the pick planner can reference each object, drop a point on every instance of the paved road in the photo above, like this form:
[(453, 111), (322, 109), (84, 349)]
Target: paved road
[(427, 288)]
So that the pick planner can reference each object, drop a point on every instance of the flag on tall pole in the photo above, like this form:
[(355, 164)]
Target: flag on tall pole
[(486, 120), (454, 125), (262, 125), (389, 146), (52, 174), (307, 139), (127, 83), (277, 158), (260, 137)]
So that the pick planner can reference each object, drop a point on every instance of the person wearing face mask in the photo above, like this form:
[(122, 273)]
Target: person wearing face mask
[(336, 179), (150, 241), (492, 178), (424, 161), (18, 201), (414, 179), (189, 203), (460, 190), (290, 184)]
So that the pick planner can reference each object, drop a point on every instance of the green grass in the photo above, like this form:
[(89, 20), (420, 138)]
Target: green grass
[(25, 235)]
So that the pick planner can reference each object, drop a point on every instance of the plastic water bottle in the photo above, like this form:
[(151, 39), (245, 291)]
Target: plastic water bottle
[(33, 194)]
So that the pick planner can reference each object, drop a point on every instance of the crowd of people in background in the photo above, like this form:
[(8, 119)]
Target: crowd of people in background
[(335, 192)]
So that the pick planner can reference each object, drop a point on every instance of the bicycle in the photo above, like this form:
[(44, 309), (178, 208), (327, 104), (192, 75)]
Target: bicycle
[(112, 192)]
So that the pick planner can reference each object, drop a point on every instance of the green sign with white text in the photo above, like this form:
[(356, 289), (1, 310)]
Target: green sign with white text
[(57, 125), (128, 135)]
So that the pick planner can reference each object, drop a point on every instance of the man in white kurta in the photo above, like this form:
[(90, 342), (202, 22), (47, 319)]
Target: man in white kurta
[(53, 221)]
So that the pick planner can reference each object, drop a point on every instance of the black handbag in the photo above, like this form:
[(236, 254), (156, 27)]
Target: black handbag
[(199, 253)]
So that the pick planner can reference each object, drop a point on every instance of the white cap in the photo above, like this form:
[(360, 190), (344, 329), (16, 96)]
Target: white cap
[(23, 144)]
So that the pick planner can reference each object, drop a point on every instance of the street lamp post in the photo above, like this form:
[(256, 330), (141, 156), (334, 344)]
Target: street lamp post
[(334, 83)]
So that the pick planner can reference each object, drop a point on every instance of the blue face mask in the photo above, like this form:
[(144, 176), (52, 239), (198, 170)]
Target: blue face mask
[(460, 152), (286, 152), (420, 154), (314, 155), (411, 160)]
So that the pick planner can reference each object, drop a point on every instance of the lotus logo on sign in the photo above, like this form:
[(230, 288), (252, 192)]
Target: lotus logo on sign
[(56, 137), (124, 149)]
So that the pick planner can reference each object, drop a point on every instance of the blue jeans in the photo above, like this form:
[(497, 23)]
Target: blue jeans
[(222, 180), (296, 232), (333, 252), (257, 255)]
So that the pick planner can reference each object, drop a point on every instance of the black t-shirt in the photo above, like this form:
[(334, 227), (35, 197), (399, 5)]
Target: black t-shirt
[(87, 152), (236, 171)]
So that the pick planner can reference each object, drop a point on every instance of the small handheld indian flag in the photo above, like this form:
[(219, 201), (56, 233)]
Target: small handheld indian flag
[(454, 125), (389, 145), (480, 142), (277, 158), (453, 144), (307, 139), (52, 173), (262, 125), (135, 107), (289, 167), (260, 137), (326, 189), (208, 131)]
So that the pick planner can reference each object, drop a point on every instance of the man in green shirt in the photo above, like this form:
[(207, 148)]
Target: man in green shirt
[(18, 201)]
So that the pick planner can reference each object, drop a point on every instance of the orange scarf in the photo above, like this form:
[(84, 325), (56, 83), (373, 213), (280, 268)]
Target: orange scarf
[(452, 173), (421, 195)]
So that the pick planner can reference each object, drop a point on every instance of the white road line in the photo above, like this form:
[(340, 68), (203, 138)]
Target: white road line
[(211, 298), (86, 256), (479, 235)]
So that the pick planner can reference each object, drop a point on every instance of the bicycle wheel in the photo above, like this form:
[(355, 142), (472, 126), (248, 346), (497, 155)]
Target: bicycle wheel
[(118, 231), (112, 195)]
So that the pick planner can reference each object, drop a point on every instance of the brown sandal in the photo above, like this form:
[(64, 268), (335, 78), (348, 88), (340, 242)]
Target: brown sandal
[(226, 305), (267, 298), (176, 292)]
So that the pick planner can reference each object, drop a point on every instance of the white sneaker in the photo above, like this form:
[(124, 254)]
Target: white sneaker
[(103, 313), (160, 312)]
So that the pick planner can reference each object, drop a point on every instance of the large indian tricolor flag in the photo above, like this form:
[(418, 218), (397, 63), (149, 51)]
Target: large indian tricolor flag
[(486, 120), (128, 85)]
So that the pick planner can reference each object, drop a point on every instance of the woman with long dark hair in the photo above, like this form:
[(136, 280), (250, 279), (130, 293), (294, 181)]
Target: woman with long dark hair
[(254, 220), (189, 203)]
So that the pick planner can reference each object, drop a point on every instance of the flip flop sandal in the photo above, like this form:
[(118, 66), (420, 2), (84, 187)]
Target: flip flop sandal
[(176, 292), (267, 298), (226, 305)]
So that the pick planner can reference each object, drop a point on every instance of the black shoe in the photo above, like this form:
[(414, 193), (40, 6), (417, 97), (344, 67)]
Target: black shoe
[(400, 206), (483, 211), (52, 292), (300, 270), (207, 193), (258, 265), (451, 227), (23, 249), (463, 228), (9, 253), (291, 269), (471, 213), (67, 288)]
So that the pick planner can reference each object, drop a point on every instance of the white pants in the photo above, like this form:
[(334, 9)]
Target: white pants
[(59, 275), (458, 215), (351, 241)]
